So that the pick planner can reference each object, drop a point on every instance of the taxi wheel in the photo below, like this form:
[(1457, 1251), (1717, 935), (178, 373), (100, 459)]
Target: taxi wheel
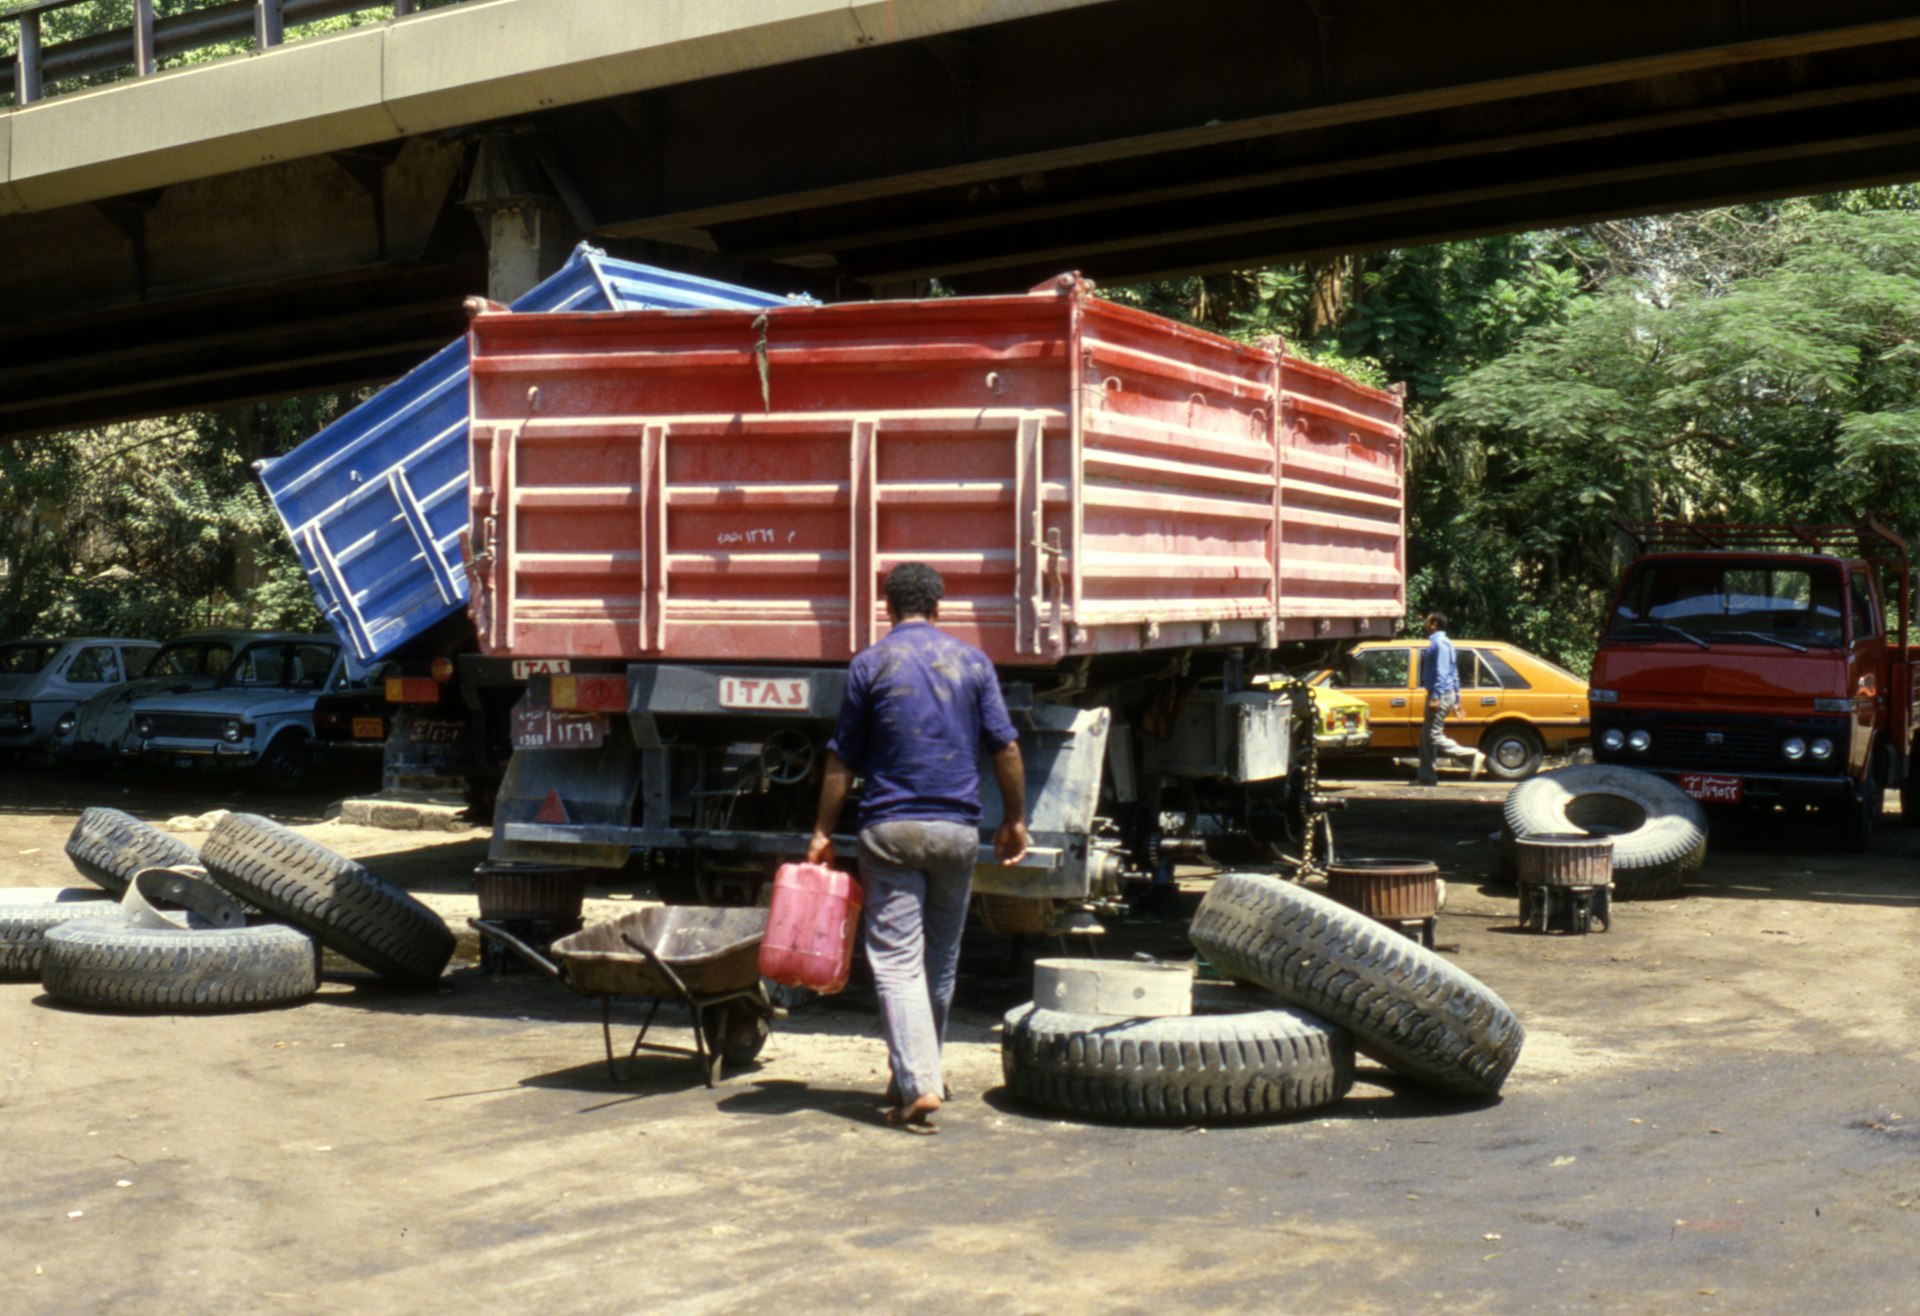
[(1513, 752)]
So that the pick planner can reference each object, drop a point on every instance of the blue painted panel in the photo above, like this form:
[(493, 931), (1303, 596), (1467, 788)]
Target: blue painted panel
[(376, 502)]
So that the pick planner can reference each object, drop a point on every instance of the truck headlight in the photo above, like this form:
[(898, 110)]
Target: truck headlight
[(231, 731), (1639, 742), (1821, 749), (143, 727), (1794, 748), (1612, 738)]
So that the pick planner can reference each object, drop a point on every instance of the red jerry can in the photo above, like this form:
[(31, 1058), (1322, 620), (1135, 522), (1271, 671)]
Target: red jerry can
[(810, 928)]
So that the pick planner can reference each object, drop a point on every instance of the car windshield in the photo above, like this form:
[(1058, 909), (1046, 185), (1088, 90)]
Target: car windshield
[(23, 658), (286, 664), (193, 658), (1783, 604)]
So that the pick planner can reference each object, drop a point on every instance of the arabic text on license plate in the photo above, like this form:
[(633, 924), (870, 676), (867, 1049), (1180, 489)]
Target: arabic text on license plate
[(543, 728), (435, 733), (1711, 789), (182, 762), (369, 728), (525, 667), (786, 693)]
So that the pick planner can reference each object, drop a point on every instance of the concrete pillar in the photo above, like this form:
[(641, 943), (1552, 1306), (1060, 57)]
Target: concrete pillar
[(526, 242), (528, 230)]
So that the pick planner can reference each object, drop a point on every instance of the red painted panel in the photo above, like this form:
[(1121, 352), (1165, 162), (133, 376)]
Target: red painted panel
[(725, 486)]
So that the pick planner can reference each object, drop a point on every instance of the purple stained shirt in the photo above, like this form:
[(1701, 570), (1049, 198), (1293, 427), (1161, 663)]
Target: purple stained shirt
[(919, 709)]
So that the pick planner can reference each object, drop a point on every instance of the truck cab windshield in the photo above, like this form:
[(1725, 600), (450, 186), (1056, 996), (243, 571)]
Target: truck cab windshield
[(1787, 605)]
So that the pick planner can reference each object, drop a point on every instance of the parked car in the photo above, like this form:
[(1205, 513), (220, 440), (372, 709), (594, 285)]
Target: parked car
[(1345, 721), (1515, 707), (259, 718), (101, 728), (42, 679), (351, 726)]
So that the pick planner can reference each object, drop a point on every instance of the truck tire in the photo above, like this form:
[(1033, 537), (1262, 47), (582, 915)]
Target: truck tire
[(1857, 815), (26, 916), (344, 906), (1181, 1069), (1405, 1006), (110, 847), (1659, 832), (114, 966), (1513, 751)]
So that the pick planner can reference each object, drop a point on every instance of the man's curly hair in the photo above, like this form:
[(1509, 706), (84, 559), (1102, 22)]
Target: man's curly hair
[(914, 590)]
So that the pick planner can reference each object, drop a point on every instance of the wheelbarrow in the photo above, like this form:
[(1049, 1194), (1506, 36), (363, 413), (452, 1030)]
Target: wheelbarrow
[(706, 956)]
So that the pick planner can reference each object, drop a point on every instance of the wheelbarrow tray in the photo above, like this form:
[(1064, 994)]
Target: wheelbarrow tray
[(714, 949)]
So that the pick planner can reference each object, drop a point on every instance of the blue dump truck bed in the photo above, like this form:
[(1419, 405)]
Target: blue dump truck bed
[(376, 502)]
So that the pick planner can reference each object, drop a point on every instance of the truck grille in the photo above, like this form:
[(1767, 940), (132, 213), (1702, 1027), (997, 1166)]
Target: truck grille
[(189, 726), (1739, 747)]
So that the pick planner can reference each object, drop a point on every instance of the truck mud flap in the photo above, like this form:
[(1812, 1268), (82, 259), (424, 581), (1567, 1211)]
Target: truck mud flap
[(567, 786), (1064, 751)]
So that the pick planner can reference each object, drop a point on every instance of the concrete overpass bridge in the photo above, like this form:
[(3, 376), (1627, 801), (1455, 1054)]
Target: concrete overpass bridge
[(309, 215)]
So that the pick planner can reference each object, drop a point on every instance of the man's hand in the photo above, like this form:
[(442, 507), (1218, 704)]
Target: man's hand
[(820, 849), (1010, 842)]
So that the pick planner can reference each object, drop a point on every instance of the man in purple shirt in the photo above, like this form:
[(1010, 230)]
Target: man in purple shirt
[(919, 709)]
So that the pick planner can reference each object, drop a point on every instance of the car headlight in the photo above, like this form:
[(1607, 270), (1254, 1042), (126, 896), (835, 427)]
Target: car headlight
[(1613, 738), (1821, 749), (143, 727), (1794, 748), (66, 724), (1639, 742), (231, 731)]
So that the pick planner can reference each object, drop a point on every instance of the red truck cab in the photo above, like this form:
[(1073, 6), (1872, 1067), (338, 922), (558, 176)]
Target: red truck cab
[(1754, 667)]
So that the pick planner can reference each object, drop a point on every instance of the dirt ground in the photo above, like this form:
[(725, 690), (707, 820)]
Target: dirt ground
[(1715, 1111)]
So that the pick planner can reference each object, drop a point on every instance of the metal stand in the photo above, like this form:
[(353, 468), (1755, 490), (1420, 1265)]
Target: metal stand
[(1418, 929), (1570, 909)]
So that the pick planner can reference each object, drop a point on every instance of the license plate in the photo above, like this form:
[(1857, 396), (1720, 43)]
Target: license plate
[(1710, 789), (435, 733), (544, 728), (787, 694), (369, 728), (182, 762), (525, 667)]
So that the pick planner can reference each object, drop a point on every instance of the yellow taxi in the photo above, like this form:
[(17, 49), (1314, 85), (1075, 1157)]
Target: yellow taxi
[(1515, 707), (1339, 719)]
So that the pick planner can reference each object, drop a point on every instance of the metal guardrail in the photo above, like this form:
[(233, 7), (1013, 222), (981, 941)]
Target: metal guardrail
[(148, 40)]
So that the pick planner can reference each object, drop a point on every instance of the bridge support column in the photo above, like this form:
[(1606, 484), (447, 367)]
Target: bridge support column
[(529, 232)]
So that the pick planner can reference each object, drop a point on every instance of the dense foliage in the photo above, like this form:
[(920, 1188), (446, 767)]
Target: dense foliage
[(151, 528)]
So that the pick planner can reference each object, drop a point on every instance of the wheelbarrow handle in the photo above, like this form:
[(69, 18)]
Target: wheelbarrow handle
[(518, 947), (654, 959)]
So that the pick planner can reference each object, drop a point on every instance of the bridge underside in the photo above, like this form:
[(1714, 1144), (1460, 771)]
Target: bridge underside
[(1128, 139)]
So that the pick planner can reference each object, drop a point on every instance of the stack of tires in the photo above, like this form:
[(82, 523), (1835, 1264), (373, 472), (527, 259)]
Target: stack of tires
[(1659, 832), (236, 925), (1343, 983)]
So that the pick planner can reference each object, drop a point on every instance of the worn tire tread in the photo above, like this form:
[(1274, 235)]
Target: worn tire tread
[(24, 928), (109, 965), (1406, 1006), (344, 906), (1187, 1069), (109, 847)]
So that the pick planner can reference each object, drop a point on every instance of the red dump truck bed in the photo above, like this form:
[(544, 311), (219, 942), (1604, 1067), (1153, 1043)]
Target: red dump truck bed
[(1089, 479)]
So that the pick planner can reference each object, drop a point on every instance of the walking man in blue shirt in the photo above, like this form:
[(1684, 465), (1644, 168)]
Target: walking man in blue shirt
[(1440, 678), (920, 708)]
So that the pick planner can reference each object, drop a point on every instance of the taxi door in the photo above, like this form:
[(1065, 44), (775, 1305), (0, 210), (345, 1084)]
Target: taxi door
[(1481, 697), (1387, 678)]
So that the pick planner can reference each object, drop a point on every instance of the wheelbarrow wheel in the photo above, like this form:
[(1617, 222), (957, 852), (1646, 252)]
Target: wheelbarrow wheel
[(736, 1032)]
